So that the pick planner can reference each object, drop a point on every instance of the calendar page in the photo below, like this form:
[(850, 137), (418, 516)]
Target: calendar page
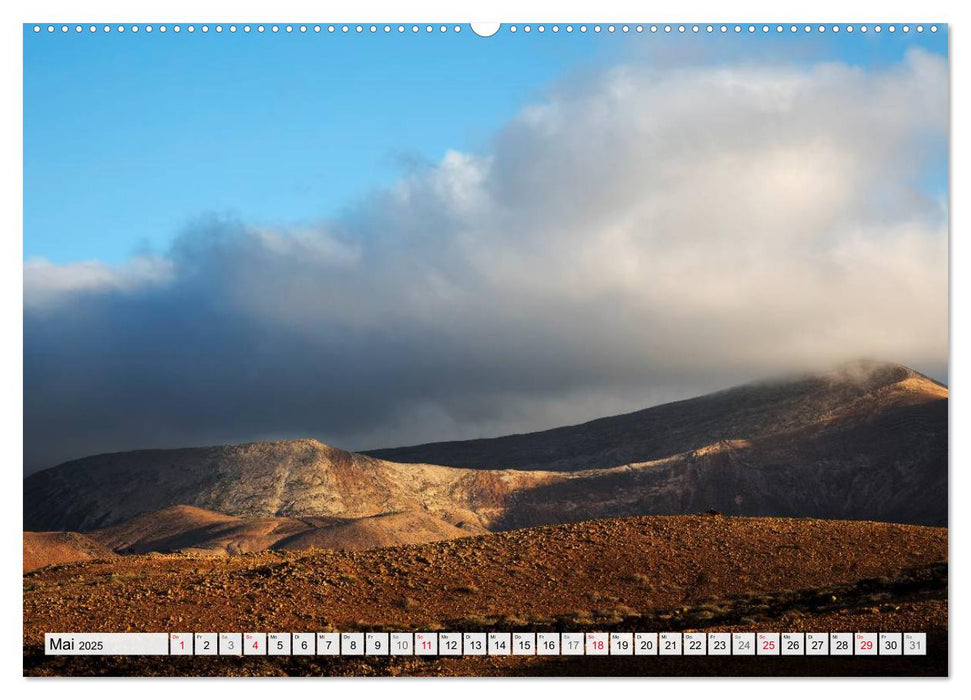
[(515, 349)]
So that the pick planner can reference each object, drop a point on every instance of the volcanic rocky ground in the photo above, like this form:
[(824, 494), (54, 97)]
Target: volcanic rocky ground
[(708, 573)]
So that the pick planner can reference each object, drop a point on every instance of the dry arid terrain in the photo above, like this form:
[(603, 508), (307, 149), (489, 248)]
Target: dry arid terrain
[(51, 548), (849, 394), (707, 573), (867, 441)]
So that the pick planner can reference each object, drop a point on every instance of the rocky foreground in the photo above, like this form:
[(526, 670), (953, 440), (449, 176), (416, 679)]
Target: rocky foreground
[(650, 573)]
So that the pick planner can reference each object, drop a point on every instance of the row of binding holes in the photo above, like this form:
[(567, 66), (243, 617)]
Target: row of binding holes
[(258, 28), (723, 28), (428, 28)]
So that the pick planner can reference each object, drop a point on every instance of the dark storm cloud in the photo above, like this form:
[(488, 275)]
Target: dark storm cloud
[(643, 237)]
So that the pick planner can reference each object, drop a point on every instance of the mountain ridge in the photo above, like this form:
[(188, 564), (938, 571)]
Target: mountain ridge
[(501, 452), (867, 441)]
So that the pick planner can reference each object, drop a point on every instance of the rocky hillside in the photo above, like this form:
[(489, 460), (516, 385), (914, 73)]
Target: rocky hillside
[(50, 548), (293, 478), (191, 530), (891, 468), (853, 393), (866, 442)]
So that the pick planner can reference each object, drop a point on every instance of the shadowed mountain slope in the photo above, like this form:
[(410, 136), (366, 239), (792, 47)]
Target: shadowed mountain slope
[(850, 394), (865, 442)]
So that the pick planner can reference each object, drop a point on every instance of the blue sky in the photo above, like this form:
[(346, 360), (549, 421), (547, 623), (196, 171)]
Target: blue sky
[(129, 138)]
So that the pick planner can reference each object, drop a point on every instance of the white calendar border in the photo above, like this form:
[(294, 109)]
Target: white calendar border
[(20, 11)]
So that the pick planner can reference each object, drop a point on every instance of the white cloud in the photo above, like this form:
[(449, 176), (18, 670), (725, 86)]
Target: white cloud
[(644, 234), (47, 285)]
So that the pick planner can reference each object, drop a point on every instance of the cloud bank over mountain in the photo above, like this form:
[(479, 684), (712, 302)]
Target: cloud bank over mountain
[(635, 236)]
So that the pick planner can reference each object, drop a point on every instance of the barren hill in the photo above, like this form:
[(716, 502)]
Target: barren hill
[(51, 548), (379, 531), (891, 466), (191, 529), (867, 442), (850, 395), (292, 478), (181, 528)]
